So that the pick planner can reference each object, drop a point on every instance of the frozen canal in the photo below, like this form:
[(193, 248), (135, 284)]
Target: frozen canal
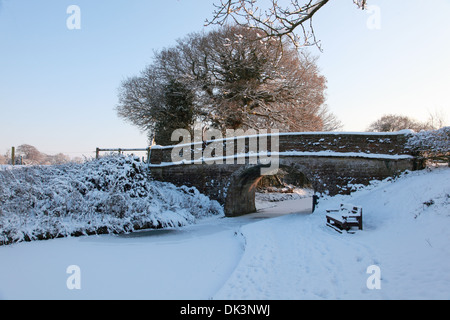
[(192, 262)]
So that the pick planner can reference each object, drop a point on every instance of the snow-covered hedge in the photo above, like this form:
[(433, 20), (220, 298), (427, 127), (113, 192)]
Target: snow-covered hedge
[(431, 143), (110, 195)]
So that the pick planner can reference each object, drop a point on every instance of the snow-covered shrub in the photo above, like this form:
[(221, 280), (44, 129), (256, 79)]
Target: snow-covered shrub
[(110, 195), (434, 143)]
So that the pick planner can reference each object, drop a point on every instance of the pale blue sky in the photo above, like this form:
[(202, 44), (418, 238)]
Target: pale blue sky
[(58, 87)]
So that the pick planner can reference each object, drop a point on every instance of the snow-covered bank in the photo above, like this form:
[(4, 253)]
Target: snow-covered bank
[(407, 235), (110, 195)]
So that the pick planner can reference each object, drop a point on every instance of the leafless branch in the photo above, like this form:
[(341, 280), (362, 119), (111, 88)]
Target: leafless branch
[(275, 21)]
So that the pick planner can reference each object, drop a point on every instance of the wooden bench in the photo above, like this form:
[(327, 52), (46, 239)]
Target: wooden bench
[(347, 217)]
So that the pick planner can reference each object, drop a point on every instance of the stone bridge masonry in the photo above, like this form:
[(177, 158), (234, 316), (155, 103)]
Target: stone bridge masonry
[(331, 162)]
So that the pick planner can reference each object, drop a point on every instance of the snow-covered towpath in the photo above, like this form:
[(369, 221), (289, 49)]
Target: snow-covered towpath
[(406, 237)]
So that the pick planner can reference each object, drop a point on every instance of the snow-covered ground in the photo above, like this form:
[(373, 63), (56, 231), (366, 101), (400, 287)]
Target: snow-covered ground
[(293, 256)]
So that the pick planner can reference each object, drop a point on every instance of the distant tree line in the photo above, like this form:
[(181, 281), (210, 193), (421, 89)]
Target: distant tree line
[(30, 155), (228, 78), (393, 123)]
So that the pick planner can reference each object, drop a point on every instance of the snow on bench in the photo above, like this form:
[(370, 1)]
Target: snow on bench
[(345, 218)]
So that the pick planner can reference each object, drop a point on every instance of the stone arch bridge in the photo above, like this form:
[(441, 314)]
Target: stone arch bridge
[(331, 162)]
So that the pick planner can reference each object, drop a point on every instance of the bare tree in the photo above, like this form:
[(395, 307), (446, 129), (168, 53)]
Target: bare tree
[(392, 123), (276, 20), (330, 121), (436, 119), (157, 104), (30, 154), (59, 158), (138, 97), (248, 83), (229, 79)]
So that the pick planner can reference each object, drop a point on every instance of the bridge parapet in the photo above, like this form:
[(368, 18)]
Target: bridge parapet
[(370, 144)]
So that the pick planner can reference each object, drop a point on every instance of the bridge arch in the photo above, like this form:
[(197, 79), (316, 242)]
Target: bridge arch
[(241, 190)]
